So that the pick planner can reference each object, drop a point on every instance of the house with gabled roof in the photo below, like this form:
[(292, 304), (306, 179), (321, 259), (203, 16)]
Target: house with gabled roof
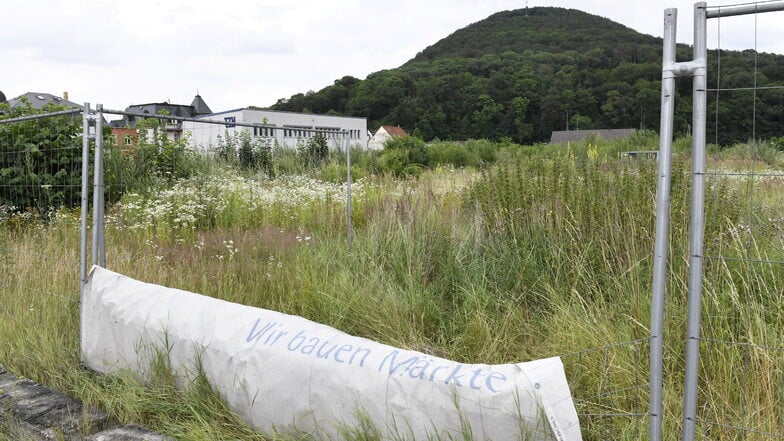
[(39, 100), (124, 129), (384, 134)]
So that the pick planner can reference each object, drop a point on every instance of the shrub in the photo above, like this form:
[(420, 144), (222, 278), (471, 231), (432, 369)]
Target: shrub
[(404, 156), (155, 161), (451, 153), (393, 162), (777, 143), (315, 151), (246, 152), (335, 172), (40, 165)]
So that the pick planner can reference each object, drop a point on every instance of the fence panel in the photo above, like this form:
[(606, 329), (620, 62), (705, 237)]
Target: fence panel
[(616, 406), (40, 164), (741, 365)]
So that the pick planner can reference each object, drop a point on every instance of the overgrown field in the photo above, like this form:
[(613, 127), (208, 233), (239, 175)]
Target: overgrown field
[(494, 253)]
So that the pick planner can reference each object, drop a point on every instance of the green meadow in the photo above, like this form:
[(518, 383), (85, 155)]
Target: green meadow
[(479, 252)]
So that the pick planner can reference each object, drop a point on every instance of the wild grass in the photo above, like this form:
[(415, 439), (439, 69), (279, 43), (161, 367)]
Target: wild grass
[(547, 253)]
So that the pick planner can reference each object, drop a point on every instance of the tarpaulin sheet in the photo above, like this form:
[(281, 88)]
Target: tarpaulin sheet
[(285, 373)]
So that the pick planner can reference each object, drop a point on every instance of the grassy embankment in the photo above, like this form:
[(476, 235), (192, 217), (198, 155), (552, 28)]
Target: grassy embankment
[(546, 252)]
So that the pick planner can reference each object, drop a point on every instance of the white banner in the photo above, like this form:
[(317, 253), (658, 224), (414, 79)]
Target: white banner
[(286, 373)]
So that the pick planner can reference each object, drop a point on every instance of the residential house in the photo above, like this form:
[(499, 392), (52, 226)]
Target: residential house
[(125, 129), (124, 137), (384, 134), (39, 100)]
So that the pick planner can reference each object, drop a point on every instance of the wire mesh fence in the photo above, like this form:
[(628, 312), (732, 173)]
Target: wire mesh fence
[(741, 394), (616, 407), (40, 164)]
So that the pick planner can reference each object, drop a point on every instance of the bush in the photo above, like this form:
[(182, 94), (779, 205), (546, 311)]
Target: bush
[(335, 172), (393, 162), (404, 156), (451, 153), (777, 143), (315, 151), (154, 162), (40, 164), (250, 154)]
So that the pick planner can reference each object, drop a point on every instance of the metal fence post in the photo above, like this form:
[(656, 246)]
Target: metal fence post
[(99, 242), (662, 227), (85, 195), (350, 225), (697, 227)]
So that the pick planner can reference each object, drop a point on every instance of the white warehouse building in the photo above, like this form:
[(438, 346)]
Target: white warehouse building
[(283, 129)]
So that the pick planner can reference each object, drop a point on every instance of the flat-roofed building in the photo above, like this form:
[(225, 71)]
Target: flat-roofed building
[(281, 129)]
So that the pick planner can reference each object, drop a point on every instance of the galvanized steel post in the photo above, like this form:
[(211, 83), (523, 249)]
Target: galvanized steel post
[(99, 242), (662, 227), (350, 226), (697, 227), (85, 195)]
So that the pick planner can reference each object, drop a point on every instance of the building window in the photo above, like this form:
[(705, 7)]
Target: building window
[(267, 132), (127, 140), (329, 132), (297, 131)]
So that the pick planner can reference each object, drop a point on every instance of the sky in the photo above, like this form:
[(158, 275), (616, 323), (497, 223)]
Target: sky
[(240, 53)]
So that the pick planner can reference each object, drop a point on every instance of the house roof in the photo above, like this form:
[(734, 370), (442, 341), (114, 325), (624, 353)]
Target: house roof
[(263, 109), (394, 130), (38, 100), (564, 136), (2, 97), (199, 106), (156, 108), (153, 109)]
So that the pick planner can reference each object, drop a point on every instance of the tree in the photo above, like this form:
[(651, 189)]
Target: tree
[(522, 129), (486, 118), (569, 66)]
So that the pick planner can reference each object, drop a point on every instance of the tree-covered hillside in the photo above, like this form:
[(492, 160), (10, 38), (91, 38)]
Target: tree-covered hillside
[(522, 74)]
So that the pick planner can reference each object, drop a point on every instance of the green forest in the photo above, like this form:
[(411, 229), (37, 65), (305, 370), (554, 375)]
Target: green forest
[(522, 74)]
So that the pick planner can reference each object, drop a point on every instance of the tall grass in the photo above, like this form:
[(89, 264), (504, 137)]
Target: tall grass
[(547, 253)]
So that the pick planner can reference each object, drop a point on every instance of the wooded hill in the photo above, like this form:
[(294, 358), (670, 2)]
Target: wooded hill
[(522, 74)]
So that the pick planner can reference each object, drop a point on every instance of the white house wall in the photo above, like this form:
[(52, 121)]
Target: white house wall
[(289, 128), (378, 140)]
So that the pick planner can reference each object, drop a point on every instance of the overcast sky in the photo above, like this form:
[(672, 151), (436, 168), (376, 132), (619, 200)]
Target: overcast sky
[(251, 52)]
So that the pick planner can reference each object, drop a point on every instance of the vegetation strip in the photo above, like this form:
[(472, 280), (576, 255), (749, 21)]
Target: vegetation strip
[(32, 411)]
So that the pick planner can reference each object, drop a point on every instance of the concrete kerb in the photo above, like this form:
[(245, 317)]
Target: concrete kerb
[(33, 412)]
